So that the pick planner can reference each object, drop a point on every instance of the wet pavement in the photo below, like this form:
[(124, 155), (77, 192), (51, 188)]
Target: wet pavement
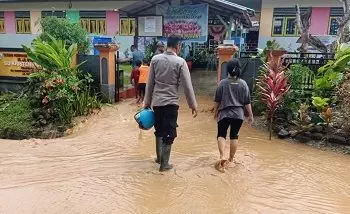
[(107, 167)]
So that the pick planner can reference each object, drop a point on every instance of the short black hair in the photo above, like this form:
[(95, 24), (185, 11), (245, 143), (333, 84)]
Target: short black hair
[(145, 61), (234, 68), (173, 41), (133, 47), (138, 63)]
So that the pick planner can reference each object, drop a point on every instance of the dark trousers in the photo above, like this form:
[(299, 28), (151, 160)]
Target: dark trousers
[(166, 122), (234, 124)]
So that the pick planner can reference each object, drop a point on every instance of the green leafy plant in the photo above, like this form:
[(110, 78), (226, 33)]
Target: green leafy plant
[(58, 88), (151, 49), (273, 45), (61, 29), (326, 83), (200, 58), (298, 77), (84, 103), (331, 75), (320, 103)]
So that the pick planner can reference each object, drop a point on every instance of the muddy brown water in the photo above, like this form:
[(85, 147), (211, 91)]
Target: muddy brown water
[(107, 167)]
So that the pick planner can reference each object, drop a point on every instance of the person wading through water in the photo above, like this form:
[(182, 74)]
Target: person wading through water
[(166, 72), (232, 96)]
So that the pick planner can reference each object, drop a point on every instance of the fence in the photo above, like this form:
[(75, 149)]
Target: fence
[(91, 65), (313, 61)]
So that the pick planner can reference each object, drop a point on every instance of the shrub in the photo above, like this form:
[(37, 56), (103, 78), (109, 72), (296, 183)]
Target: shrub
[(15, 117), (151, 49), (320, 103), (61, 29), (298, 94), (56, 87), (330, 76), (270, 45), (273, 85)]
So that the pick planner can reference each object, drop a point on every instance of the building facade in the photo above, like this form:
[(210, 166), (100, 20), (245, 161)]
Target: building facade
[(278, 21), (20, 21)]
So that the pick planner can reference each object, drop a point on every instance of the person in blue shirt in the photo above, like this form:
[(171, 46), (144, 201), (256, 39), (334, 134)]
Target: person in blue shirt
[(136, 55)]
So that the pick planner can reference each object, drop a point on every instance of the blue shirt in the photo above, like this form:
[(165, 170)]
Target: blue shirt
[(137, 55)]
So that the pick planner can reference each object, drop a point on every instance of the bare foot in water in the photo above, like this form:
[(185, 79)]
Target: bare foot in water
[(222, 166)]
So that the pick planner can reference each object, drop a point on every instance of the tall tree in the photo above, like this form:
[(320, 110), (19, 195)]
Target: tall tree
[(343, 34), (306, 39)]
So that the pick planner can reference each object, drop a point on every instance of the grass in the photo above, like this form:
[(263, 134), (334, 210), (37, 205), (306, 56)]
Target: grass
[(15, 117), (127, 72)]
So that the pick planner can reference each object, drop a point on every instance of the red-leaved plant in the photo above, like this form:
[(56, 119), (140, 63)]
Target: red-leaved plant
[(273, 84)]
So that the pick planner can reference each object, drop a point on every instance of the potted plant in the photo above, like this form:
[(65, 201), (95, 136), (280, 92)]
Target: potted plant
[(273, 49)]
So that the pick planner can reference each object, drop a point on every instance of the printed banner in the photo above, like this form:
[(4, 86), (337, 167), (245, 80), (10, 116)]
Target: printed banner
[(15, 64), (190, 21)]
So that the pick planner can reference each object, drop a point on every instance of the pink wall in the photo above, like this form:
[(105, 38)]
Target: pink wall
[(112, 19), (10, 21), (320, 20)]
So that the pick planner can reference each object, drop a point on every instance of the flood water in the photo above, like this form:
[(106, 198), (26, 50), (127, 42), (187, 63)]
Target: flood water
[(107, 167)]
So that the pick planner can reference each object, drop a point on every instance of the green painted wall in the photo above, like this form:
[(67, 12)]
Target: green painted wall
[(73, 16)]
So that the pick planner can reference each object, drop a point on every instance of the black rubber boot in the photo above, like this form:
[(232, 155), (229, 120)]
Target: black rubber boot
[(165, 156), (158, 149)]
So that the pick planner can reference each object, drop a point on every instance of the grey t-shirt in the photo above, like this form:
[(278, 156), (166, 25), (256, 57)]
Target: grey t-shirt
[(233, 95)]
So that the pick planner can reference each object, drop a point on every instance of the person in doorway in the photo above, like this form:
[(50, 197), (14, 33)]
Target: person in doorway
[(166, 71), (160, 48), (134, 77), (232, 96), (136, 55), (144, 72)]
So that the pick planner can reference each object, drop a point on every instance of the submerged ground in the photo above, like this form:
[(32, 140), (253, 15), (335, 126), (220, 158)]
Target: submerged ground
[(107, 166)]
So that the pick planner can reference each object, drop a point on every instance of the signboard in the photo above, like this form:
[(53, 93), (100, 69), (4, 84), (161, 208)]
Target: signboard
[(15, 64), (189, 21), (150, 26)]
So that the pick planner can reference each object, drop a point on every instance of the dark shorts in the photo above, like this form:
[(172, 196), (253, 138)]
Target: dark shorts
[(234, 124), (142, 89), (166, 122)]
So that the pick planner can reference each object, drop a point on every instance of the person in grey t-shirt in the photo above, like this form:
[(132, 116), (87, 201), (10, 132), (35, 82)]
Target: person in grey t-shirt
[(232, 96)]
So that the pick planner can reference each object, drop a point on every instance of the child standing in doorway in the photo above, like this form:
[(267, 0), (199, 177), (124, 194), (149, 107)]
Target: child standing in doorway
[(144, 71), (134, 78)]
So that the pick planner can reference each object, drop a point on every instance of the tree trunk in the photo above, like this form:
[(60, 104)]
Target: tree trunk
[(343, 24), (270, 128), (303, 23)]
